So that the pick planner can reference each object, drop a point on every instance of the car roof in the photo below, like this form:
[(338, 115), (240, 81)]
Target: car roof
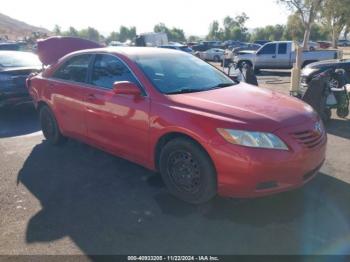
[(130, 52)]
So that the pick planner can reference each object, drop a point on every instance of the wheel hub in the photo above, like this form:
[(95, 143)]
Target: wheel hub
[(184, 171)]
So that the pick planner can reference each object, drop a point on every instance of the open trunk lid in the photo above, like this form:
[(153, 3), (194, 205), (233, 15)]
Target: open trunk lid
[(53, 48)]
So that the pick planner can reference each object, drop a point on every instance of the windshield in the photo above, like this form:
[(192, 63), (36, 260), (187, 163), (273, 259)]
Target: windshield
[(178, 73), (18, 59)]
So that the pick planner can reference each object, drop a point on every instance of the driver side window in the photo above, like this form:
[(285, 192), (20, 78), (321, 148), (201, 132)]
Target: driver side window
[(269, 49)]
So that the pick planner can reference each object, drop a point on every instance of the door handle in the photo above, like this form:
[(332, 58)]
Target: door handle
[(273, 56)]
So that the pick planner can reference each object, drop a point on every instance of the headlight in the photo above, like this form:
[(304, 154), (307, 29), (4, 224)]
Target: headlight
[(252, 139), (308, 71)]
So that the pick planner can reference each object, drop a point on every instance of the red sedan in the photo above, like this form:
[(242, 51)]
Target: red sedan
[(173, 113)]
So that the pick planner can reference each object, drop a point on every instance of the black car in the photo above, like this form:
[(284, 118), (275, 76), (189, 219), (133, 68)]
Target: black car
[(206, 45), (313, 69), (10, 46), (261, 42), (15, 66), (183, 48)]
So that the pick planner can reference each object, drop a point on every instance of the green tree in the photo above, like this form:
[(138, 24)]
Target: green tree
[(71, 32), (174, 34), (307, 10), (233, 28), (57, 30), (215, 33), (336, 15), (90, 33), (193, 38)]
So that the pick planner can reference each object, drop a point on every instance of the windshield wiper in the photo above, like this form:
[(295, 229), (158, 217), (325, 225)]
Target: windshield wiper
[(184, 91), (221, 85)]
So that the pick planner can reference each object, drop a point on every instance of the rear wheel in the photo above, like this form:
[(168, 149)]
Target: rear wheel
[(49, 126), (217, 58), (187, 171), (342, 112)]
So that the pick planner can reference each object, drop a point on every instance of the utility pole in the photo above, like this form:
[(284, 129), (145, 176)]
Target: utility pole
[(296, 70)]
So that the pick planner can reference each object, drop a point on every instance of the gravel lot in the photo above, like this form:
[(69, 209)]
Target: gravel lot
[(75, 199)]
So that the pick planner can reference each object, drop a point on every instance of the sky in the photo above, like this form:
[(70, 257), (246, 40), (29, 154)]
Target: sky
[(193, 16)]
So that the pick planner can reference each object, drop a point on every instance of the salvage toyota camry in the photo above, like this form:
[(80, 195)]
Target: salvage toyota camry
[(173, 113)]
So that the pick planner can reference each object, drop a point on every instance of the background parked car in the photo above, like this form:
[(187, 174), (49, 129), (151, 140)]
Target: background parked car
[(10, 46), (183, 48), (213, 54), (206, 45), (315, 68), (343, 42), (313, 45), (15, 66), (324, 44)]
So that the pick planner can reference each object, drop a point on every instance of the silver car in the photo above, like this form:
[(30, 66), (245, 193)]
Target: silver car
[(213, 54)]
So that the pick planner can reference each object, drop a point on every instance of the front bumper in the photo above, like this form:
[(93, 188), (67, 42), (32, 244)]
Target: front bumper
[(249, 172)]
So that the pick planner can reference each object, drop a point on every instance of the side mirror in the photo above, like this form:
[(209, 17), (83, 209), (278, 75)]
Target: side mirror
[(126, 88)]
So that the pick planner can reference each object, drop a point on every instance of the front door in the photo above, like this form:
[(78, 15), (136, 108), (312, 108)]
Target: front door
[(266, 57), (118, 123)]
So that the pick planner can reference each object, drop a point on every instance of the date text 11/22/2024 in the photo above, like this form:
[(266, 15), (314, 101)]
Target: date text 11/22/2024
[(173, 258)]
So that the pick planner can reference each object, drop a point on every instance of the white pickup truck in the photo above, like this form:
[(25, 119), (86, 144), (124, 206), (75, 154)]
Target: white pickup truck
[(280, 55)]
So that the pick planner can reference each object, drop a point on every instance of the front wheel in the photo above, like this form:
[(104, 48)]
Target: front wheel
[(49, 126), (188, 171)]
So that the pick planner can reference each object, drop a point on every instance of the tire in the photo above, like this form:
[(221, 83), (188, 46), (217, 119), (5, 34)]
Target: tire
[(49, 126), (342, 112), (216, 58), (187, 171), (334, 82)]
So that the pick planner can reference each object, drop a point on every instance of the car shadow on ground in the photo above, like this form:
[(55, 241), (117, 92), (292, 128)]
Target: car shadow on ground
[(17, 121), (107, 205), (339, 127), (274, 73)]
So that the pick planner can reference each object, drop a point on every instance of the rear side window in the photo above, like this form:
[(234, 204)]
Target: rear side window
[(75, 69), (108, 69), (282, 49), (269, 49)]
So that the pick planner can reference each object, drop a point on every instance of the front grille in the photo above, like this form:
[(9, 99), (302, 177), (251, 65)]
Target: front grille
[(310, 138)]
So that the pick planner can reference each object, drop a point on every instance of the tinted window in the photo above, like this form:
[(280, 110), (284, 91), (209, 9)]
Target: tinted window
[(75, 69), (108, 69), (269, 49), (282, 49)]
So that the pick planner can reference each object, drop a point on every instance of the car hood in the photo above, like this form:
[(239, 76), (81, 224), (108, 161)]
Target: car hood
[(53, 48), (248, 107), (27, 68), (327, 63), (243, 52)]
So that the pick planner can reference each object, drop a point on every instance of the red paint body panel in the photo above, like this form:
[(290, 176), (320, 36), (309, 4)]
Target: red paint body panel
[(131, 127)]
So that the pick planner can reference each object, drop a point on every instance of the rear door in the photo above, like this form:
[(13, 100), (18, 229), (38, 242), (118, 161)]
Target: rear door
[(117, 123), (67, 93), (283, 56), (266, 56)]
